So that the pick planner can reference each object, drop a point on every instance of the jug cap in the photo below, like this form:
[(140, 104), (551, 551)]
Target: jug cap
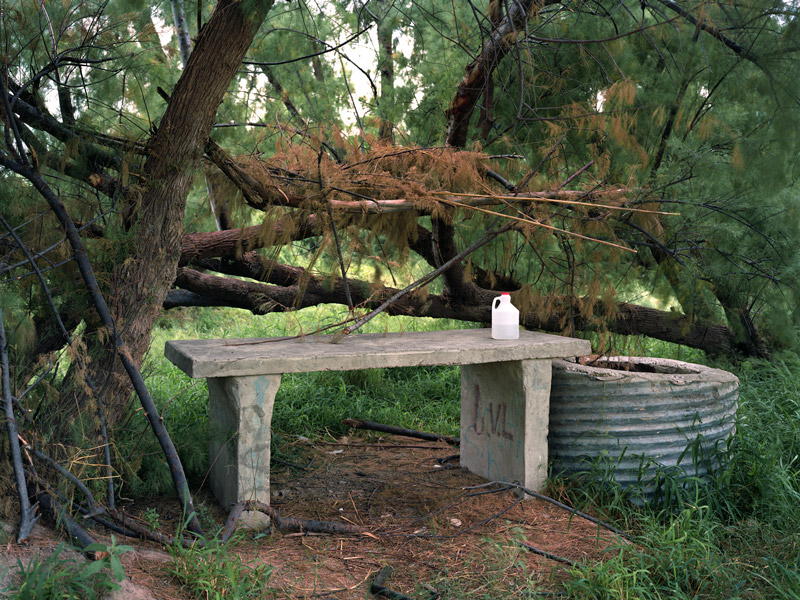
[(505, 293)]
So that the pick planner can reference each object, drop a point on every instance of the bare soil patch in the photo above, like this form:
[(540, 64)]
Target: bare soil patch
[(429, 520)]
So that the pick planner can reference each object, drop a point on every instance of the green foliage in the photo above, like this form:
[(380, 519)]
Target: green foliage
[(59, 577), (733, 535), (678, 558), (212, 570)]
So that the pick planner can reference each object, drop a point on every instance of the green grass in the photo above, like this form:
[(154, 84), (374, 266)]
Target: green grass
[(214, 571), (308, 404), (61, 577), (736, 536)]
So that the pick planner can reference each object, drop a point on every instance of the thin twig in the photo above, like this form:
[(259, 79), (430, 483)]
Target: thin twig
[(539, 198), (307, 56), (560, 559), (421, 435), (536, 223), (92, 506), (555, 502), (485, 238), (575, 174)]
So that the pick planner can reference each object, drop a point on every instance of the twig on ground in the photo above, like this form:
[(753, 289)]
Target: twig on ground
[(377, 588), (560, 559), (449, 458), (432, 437), (143, 531), (376, 445), (295, 524), (555, 502)]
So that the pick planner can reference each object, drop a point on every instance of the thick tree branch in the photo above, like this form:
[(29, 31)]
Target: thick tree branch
[(232, 243), (713, 31), (627, 319)]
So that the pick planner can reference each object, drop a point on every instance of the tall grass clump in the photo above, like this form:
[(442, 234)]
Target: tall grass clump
[(66, 575), (211, 569), (734, 535)]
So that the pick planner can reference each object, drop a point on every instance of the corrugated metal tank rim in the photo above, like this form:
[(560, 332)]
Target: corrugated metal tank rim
[(675, 372), (673, 415)]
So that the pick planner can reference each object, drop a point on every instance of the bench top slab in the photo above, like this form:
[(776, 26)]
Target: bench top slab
[(268, 356)]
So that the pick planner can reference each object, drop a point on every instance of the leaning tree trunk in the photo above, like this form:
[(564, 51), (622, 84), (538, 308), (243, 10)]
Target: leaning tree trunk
[(149, 272)]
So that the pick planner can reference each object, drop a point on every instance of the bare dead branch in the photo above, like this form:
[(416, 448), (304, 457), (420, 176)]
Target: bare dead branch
[(535, 550), (377, 587), (295, 524), (563, 506), (60, 516), (421, 435), (26, 519)]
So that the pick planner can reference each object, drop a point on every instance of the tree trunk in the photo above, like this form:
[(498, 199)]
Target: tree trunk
[(147, 275)]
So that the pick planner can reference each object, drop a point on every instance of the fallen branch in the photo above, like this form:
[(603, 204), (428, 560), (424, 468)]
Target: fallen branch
[(26, 512), (560, 559), (377, 588), (421, 435), (563, 506), (61, 517), (295, 524), (142, 531)]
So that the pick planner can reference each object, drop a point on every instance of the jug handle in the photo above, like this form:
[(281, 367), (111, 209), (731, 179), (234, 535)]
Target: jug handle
[(495, 302)]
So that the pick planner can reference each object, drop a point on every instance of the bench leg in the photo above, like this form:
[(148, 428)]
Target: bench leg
[(504, 418), (240, 412)]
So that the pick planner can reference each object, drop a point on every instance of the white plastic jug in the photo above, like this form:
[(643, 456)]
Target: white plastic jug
[(505, 318)]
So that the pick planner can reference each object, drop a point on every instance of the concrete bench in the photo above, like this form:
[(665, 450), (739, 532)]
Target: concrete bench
[(505, 395)]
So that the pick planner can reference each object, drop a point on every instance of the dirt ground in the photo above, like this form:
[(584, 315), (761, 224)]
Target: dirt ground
[(426, 518)]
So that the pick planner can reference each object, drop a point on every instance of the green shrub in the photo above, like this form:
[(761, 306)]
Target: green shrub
[(212, 570), (57, 577)]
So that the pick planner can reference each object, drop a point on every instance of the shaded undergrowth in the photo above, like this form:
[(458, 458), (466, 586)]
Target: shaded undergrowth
[(731, 536)]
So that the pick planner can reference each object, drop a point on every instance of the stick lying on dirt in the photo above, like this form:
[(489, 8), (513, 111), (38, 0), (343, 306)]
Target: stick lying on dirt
[(421, 435), (376, 587), (293, 523), (546, 554)]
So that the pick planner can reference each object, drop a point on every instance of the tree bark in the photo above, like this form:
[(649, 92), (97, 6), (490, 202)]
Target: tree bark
[(478, 71), (233, 243), (148, 274)]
